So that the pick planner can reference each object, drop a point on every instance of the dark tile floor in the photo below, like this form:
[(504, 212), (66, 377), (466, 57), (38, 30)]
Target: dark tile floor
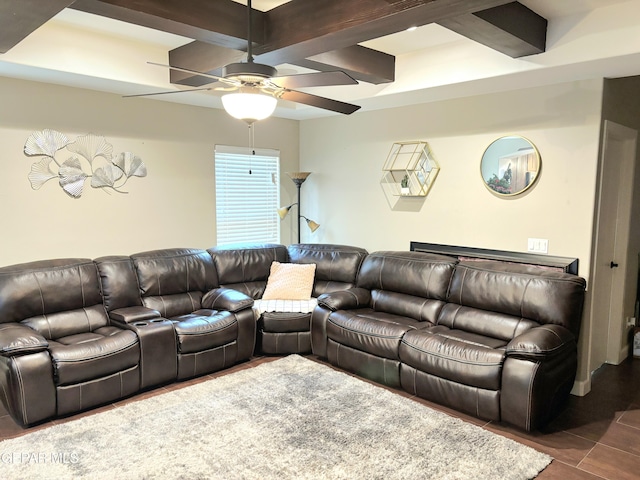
[(596, 437)]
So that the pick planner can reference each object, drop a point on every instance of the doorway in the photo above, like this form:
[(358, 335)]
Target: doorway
[(609, 298)]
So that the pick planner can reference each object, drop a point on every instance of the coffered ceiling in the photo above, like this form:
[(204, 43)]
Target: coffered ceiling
[(459, 48)]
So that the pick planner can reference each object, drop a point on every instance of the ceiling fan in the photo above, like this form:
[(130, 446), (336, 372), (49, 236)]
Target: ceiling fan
[(254, 88)]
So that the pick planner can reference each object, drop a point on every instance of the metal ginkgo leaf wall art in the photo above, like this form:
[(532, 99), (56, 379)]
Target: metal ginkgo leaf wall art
[(107, 171)]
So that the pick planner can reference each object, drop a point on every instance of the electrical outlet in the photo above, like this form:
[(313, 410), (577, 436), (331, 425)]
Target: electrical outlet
[(631, 321), (538, 245)]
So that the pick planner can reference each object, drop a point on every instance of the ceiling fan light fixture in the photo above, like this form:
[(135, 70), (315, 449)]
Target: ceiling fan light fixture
[(249, 107)]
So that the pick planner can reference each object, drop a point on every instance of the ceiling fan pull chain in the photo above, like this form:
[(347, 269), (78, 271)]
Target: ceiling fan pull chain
[(251, 142)]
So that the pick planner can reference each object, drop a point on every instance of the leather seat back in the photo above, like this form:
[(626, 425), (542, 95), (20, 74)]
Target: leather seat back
[(412, 284), (57, 298), (246, 267), (173, 281), (119, 282), (337, 266), (502, 300)]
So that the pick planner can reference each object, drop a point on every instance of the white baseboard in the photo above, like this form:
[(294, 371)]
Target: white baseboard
[(581, 388), (623, 354)]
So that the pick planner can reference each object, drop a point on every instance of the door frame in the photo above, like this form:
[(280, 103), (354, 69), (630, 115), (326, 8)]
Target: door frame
[(617, 346)]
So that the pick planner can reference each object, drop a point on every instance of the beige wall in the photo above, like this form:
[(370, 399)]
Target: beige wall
[(173, 206), (346, 155)]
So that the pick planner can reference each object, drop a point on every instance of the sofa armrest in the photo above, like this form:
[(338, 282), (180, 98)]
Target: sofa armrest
[(226, 299), (133, 314), (17, 339), (541, 342), (345, 299)]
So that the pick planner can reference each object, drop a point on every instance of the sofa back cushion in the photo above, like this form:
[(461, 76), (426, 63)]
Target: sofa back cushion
[(55, 297), (246, 267), (337, 266), (119, 282), (174, 280), (413, 284), (503, 300)]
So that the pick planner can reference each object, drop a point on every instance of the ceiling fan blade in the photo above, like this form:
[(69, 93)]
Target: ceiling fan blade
[(195, 72), (315, 79), (320, 102), (167, 92)]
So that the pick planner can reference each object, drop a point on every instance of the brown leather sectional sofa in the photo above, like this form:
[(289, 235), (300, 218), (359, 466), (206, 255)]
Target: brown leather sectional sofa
[(492, 339), (495, 340)]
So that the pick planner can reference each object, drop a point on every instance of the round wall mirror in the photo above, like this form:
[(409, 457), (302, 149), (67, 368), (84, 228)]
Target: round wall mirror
[(510, 166)]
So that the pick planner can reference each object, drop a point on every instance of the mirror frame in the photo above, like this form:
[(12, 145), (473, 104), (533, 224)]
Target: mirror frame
[(505, 149)]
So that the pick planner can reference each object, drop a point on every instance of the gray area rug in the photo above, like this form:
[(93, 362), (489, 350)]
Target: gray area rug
[(287, 419)]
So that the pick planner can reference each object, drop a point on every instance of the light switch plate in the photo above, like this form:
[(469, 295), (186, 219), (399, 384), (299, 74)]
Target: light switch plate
[(538, 245)]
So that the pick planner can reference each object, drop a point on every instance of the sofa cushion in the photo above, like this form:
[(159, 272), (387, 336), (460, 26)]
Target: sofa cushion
[(284, 322), (413, 273), (337, 266), (87, 356), (522, 291), (367, 330), (173, 305), (37, 289), (455, 355), (484, 322), (205, 329), (119, 282), (289, 281), (175, 270), (418, 308), (412, 284), (61, 324), (246, 267)]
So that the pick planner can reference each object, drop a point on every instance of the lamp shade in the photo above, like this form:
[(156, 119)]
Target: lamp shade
[(284, 211), (313, 226), (249, 106)]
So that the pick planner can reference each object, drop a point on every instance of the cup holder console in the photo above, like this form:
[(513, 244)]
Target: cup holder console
[(154, 321), (158, 360)]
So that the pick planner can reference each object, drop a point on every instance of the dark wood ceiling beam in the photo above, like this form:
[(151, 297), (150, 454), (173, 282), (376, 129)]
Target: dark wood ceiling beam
[(19, 19), (219, 22), (360, 62), (298, 29), (326, 38), (512, 29)]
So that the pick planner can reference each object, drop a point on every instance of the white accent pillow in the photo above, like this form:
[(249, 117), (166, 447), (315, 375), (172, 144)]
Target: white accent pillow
[(290, 281)]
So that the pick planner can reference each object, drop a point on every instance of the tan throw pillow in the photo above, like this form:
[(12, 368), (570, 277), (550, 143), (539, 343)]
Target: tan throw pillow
[(290, 281)]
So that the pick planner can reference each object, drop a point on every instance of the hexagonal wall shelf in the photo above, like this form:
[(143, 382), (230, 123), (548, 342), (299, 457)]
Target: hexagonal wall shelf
[(410, 169)]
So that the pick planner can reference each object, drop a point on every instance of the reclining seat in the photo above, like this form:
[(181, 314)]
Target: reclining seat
[(337, 268), (59, 354), (247, 268), (214, 327), (504, 347), (360, 329)]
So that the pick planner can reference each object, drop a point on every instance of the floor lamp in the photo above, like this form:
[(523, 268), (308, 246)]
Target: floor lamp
[(298, 178)]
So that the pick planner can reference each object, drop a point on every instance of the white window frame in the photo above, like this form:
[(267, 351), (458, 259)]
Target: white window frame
[(247, 187)]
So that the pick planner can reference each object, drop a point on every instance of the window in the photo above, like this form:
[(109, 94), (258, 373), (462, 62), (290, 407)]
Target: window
[(247, 195)]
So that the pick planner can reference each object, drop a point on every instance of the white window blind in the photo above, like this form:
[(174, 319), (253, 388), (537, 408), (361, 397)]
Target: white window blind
[(247, 195)]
